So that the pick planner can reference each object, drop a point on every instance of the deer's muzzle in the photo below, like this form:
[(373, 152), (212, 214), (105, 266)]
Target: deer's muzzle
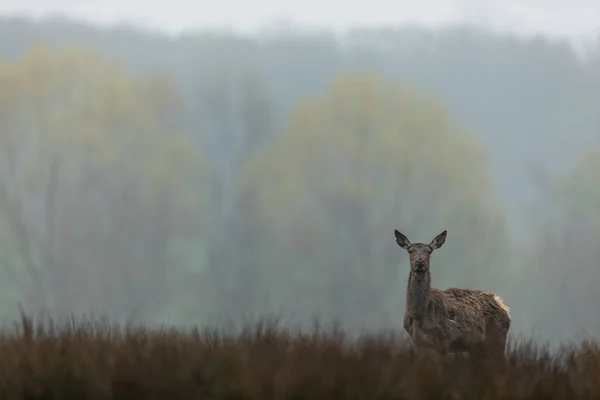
[(420, 265)]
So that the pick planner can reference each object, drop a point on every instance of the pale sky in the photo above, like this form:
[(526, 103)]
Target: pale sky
[(574, 19)]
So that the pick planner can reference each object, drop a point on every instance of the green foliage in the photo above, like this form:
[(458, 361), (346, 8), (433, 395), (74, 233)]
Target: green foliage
[(578, 193)]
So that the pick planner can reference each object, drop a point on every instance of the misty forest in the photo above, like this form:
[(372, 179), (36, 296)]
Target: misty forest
[(211, 178)]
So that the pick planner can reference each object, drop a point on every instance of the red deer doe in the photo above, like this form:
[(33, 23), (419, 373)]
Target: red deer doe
[(452, 320)]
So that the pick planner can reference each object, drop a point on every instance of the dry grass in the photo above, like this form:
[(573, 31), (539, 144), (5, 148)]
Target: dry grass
[(95, 360)]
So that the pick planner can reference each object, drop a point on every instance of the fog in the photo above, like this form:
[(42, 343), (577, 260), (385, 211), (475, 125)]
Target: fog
[(210, 178)]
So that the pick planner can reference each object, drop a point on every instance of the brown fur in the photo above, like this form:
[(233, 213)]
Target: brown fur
[(451, 320)]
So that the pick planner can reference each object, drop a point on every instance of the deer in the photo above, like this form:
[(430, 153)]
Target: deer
[(453, 320)]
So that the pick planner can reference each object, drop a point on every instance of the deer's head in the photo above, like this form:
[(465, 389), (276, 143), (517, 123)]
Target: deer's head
[(420, 252)]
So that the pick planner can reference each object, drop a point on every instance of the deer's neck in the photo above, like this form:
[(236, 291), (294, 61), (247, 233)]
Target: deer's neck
[(417, 293)]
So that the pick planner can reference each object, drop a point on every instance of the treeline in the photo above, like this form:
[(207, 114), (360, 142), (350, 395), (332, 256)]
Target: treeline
[(210, 178)]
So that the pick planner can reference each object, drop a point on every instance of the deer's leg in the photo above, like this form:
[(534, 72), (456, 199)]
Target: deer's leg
[(408, 321), (428, 349), (422, 340), (427, 343), (491, 349), (497, 348), (495, 345)]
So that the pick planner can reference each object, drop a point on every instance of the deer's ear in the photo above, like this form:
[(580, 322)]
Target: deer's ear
[(438, 241), (401, 240)]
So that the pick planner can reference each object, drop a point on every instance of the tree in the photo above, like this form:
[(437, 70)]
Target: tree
[(96, 186), (365, 158), (233, 118)]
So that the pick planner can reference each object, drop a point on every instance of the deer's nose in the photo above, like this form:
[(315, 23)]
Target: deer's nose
[(420, 262)]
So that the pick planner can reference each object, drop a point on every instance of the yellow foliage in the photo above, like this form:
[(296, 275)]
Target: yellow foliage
[(370, 139), (88, 112)]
